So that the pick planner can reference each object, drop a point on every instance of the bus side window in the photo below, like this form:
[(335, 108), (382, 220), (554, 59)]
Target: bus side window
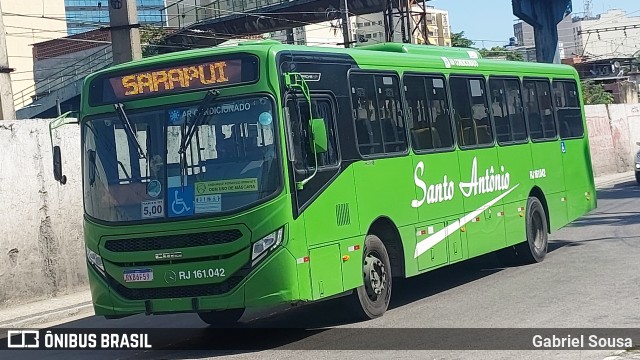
[(377, 114), (391, 119), (471, 111), (537, 99), (428, 112), (568, 109), (365, 107), (507, 110)]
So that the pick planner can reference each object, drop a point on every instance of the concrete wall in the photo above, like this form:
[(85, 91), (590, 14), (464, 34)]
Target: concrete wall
[(41, 246), (613, 133)]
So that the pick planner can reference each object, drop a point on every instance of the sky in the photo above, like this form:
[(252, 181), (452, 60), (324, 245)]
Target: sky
[(491, 24)]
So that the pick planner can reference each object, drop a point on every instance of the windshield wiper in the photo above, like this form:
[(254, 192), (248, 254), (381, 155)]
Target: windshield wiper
[(200, 115), (128, 128), (191, 130)]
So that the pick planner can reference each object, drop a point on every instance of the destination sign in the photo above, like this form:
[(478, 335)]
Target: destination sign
[(175, 79), (165, 80)]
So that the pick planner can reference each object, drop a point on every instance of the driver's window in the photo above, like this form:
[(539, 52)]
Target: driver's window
[(300, 132)]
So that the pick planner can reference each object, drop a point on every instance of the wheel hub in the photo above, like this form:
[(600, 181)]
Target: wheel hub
[(375, 276)]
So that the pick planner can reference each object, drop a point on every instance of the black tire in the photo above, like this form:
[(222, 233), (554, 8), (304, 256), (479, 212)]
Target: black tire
[(371, 300), (222, 319), (535, 248), (638, 177)]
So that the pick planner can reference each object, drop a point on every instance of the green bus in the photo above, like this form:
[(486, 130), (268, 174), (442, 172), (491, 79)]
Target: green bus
[(262, 174)]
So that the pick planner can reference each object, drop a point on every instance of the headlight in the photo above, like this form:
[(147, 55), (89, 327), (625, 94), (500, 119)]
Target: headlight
[(262, 246), (95, 260)]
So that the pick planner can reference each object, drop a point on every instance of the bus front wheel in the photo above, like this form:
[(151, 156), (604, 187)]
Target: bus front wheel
[(226, 318), (535, 248), (371, 300)]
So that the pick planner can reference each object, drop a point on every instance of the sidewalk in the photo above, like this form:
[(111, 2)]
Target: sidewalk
[(78, 305), (38, 313), (606, 181)]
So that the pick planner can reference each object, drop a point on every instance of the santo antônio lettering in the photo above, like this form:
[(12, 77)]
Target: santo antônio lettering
[(175, 78), (478, 184)]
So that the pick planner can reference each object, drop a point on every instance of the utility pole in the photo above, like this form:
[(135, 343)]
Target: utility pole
[(7, 110), (125, 31), (346, 24)]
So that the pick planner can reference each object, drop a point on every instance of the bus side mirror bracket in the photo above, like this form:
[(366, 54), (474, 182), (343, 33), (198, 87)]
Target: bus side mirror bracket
[(295, 81), (60, 121)]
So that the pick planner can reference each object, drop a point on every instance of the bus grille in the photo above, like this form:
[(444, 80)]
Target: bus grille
[(173, 241), (178, 291)]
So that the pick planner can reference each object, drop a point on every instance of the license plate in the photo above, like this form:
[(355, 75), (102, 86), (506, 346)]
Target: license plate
[(138, 275)]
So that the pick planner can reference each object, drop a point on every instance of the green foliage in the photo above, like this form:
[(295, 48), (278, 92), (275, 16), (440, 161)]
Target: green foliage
[(150, 36), (459, 40), (500, 52), (594, 94)]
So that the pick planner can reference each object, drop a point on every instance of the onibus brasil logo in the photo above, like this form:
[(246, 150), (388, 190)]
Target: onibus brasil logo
[(490, 182)]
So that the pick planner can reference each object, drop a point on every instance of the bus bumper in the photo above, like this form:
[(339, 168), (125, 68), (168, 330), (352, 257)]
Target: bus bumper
[(274, 281)]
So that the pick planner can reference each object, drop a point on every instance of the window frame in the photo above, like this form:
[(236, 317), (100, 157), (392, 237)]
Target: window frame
[(383, 155), (486, 99), (579, 107), (448, 100), (555, 120), (524, 117), (314, 95)]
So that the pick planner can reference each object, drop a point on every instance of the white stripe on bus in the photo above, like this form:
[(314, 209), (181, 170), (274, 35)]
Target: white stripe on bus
[(434, 239)]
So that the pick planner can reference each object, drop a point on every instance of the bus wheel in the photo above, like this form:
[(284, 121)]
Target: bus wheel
[(371, 300), (226, 318), (535, 248)]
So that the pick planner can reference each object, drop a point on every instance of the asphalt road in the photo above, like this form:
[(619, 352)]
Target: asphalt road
[(590, 278)]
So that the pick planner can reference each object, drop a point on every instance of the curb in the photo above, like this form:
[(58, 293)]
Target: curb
[(609, 182), (33, 320)]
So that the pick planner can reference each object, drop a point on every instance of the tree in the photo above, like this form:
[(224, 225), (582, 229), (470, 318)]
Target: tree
[(500, 52), (150, 36), (458, 40), (594, 94)]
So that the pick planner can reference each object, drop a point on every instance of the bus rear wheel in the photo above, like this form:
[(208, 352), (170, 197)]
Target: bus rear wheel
[(535, 248), (371, 300), (226, 318)]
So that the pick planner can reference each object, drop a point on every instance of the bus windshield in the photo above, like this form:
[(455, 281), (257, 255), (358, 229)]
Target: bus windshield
[(230, 161)]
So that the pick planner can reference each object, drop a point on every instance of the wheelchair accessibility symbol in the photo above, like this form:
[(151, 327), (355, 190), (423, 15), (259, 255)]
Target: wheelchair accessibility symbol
[(181, 201)]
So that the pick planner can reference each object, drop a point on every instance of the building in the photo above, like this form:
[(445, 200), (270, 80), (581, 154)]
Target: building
[(327, 34), (86, 15), (27, 22), (608, 35), (369, 29)]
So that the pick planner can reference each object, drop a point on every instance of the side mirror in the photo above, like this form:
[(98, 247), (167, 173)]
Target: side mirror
[(57, 166), (319, 131), (638, 143)]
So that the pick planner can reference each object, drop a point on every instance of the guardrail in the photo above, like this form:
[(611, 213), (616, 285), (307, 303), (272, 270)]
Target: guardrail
[(74, 72), (184, 13)]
